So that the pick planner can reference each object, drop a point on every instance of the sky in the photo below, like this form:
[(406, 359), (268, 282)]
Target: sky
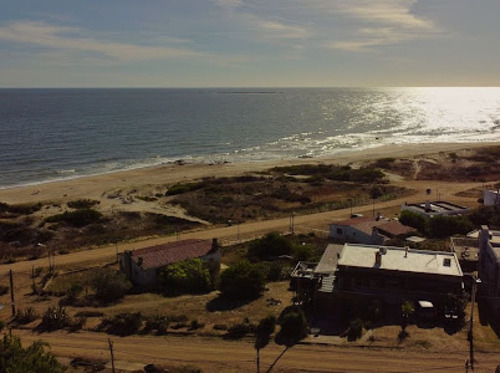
[(249, 43)]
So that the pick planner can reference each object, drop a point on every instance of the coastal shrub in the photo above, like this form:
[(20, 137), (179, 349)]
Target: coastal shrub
[(384, 163), (122, 324), (159, 323), (183, 188), (271, 245), (83, 203), (55, 318), (195, 324), (89, 313), (242, 281), (189, 276), (238, 331), (25, 208), (109, 285), (147, 198), (304, 169), (78, 218), (27, 315)]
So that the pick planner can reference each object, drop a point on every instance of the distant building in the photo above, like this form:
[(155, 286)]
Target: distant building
[(369, 231), (142, 266), (489, 267), (491, 197), (437, 208)]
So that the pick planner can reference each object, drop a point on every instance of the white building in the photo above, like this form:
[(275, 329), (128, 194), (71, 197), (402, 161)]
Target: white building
[(489, 266), (491, 197)]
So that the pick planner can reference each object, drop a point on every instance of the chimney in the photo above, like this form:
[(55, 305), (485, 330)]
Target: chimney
[(378, 259), (406, 251), (484, 237), (427, 206)]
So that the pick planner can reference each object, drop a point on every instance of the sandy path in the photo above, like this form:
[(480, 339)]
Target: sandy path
[(239, 356)]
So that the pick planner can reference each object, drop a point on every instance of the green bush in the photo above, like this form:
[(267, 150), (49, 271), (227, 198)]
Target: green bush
[(271, 245), (189, 276), (242, 281), (413, 219), (445, 226)]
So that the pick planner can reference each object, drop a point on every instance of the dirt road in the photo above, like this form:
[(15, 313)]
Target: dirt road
[(226, 235), (239, 356)]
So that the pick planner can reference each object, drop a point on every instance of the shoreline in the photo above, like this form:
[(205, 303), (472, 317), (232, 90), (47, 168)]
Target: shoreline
[(94, 186)]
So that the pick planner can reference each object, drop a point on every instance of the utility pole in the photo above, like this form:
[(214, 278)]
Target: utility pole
[(112, 356), (12, 294), (471, 326)]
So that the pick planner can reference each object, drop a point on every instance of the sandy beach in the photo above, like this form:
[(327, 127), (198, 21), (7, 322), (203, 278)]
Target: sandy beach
[(94, 187)]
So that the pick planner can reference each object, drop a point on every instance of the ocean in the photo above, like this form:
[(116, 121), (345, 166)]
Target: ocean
[(54, 134)]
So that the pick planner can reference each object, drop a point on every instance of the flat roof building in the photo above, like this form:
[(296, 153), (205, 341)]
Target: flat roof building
[(436, 208), (393, 273)]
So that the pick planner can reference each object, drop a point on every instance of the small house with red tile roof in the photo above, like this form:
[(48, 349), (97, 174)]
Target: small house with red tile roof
[(370, 231), (142, 266)]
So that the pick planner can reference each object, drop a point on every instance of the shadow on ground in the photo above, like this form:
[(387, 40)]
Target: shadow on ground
[(221, 303)]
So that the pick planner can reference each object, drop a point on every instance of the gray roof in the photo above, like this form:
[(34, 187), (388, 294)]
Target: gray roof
[(328, 261), (396, 259)]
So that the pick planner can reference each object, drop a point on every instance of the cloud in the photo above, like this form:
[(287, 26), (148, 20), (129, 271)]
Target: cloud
[(378, 23), (70, 39), (280, 30), (228, 4)]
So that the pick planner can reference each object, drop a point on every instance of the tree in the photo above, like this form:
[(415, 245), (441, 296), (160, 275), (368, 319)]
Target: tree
[(293, 328), (242, 281), (110, 285), (412, 219), (407, 309), (272, 244), (189, 276), (445, 226), (16, 359), (263, 334)]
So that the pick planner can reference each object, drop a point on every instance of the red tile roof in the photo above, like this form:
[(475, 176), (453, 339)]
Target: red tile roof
[(366, 224), (395, 228), (173, 252)]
